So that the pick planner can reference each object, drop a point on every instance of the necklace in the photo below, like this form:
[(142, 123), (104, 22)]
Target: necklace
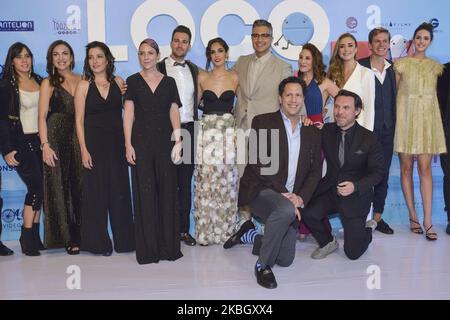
[(104, 85)]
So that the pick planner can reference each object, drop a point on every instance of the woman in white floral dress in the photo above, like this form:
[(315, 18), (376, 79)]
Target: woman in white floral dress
[(216, 175)]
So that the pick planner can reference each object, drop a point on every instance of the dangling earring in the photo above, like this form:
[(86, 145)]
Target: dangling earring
[(13, 75), (53, 70), (29, 74)]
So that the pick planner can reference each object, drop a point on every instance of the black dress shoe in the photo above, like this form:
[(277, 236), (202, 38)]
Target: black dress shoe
[(236, 238), (188, 239), (383, 227), (5, 251), (265, 277), (448, 229)]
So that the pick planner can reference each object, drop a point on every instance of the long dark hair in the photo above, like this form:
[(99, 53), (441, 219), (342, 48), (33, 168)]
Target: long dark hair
[(317, 63), (208, 49), (9, 72), (110, 68), (53, 75)]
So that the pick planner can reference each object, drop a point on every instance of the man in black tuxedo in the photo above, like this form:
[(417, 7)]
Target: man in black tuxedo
[(185, 74), (443, 92), (385, 113), (277, 190), (355, 165)]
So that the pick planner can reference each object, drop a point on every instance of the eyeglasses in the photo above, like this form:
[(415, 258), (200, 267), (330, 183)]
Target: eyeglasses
[(261, 35)]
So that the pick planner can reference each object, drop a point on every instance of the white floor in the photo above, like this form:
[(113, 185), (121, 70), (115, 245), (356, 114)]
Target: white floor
[(410, 268)]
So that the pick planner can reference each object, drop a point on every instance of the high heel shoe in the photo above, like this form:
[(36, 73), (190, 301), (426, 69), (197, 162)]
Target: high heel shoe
[(432, 236), (37, 238), (417, 230), (27, 243), (73, 250)]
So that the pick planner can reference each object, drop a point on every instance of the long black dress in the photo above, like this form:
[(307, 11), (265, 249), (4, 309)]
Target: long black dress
[(62, 183), (106, 187), (154, 177)]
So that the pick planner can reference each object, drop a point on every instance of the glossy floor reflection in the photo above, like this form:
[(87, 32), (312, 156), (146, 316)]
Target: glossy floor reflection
[(410, 268)]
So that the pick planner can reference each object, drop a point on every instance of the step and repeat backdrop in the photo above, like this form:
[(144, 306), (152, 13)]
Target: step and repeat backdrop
[(123, 24)]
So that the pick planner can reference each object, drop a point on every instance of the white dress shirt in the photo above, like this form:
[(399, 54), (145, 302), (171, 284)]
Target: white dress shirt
[(381, 75), (185, 85), (293, 139)]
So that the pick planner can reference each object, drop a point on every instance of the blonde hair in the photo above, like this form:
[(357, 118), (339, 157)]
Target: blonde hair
[(336, 70)]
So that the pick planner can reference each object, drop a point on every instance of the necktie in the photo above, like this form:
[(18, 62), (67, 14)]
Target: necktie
[(342, 149), (181, 64)]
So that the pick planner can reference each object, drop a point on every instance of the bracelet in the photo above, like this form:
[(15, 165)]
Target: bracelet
[(43, 144)]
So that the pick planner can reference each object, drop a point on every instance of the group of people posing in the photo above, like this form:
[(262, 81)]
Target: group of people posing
[(72, 139)]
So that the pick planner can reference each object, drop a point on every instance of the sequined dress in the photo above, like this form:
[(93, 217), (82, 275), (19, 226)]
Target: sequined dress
[(62, 184), (216, 174)]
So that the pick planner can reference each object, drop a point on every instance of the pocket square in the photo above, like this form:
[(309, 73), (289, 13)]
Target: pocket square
[(359, 152)]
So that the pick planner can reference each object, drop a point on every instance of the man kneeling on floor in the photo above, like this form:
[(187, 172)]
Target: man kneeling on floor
[(354, 166), (276, 198)]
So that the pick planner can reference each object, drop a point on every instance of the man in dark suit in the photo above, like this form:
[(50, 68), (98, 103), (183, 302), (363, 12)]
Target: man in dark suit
[(355, 165), (443, 92), (385, 113), (276, 190), (185, 74)]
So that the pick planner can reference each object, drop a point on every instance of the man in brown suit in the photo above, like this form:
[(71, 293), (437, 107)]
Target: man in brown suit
[(277, 190)]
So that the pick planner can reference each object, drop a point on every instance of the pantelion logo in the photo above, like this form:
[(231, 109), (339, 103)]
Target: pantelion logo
[(16, 25)]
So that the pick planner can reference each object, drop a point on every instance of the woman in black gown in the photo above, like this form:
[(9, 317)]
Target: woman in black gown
[(60, 150), (151, 115), (98, 117)]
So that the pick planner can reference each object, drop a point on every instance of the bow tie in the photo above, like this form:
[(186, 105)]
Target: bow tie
[(181, 64)]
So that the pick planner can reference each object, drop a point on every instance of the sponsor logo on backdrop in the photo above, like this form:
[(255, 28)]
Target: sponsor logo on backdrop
[(71, 24), (351, 23), (16, 25), (12, 219), (435, 23), (397, 26), (5, 167)]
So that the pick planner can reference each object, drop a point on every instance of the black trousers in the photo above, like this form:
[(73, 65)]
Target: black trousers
[(184, 173), (356, 236), (445, 164), (29, 156), (386, 138)]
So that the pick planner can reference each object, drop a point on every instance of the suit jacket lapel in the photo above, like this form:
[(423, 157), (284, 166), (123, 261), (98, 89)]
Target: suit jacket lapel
[(334, 146), (284, 149), (356, 142), (264, 73), (303, 158), (247, 83)]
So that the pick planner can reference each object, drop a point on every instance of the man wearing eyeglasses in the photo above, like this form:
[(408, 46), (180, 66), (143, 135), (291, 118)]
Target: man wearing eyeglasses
[(385, 113), (259, 75)]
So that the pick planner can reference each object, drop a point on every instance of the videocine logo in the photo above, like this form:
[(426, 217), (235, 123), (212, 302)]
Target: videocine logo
[(16, 25)]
